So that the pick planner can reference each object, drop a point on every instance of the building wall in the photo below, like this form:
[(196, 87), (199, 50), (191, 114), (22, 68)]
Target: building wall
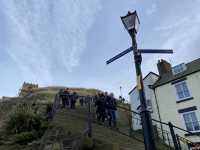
[(135, 101), (166, 96)]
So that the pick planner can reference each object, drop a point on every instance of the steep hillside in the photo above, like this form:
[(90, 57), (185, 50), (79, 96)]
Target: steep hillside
[(38, 99), (74, 122), (39, 96)]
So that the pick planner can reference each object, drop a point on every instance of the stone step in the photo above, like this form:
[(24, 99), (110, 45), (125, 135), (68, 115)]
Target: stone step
[(67, 144)]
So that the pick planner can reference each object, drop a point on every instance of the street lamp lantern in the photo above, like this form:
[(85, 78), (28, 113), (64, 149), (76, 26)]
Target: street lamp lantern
[(131, 22)]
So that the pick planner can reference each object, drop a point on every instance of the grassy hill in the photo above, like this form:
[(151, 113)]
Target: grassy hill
[(38, 100), (66, 130), (39, 96)]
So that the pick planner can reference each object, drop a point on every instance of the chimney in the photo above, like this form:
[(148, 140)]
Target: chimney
[(164, 67)]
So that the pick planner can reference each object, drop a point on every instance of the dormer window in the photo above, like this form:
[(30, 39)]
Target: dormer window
[(179, 68)]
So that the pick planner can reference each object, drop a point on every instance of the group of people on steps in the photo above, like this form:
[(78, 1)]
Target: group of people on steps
[(105, 104), (68, 99), (106, 107)]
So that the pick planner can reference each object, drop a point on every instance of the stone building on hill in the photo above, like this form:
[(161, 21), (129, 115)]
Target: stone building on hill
[(27, 88)]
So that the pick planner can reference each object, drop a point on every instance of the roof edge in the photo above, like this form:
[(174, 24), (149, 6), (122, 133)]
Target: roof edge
[(175, 79), (144, 79)]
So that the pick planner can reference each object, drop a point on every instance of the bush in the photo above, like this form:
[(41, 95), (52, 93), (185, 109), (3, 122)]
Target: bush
[(24, 137), (25, 124), (22, 122), (22, 119)]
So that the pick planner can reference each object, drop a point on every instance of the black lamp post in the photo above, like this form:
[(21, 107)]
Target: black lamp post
[(120, 88), (131, 23)]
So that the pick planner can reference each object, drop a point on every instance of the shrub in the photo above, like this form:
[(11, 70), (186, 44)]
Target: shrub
[(24, 137), (23, 119), (25, 124)]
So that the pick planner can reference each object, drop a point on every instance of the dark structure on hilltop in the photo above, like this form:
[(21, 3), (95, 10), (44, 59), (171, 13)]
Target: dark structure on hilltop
[(27, 88)]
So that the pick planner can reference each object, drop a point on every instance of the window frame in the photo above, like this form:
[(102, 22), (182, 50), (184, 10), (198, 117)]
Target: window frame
[(178, 99), (193, 111)]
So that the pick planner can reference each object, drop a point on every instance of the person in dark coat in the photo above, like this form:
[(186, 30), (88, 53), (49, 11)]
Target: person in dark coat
[(108, 109), (101, 110), (81, 101), (66, 97), (111, 107), (73, 100), (61, 94), (97, 105)]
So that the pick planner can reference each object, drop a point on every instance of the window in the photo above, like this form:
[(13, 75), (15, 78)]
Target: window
[(179, 68), (191, 121), (182, 90)]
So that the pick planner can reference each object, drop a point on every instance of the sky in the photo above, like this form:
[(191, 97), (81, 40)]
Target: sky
[(67, 43)]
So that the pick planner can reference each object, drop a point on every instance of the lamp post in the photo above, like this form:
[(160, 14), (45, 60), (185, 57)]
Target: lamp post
[(120, 88), (131, 23)]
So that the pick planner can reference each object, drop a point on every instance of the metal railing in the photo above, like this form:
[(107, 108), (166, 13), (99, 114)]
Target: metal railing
[(168, 133)]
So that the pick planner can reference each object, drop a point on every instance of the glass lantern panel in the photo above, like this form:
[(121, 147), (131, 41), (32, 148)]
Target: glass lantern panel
[(129, 21)]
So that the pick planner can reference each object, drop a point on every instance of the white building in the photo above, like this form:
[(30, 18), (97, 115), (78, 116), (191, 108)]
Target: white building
[(178, 95), (175, 97), (148, 80)]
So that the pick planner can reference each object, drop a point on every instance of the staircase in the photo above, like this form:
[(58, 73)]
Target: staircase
[(75, 121)]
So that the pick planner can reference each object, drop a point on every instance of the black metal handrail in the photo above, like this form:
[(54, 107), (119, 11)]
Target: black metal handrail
[(174, 137), (158, 120)]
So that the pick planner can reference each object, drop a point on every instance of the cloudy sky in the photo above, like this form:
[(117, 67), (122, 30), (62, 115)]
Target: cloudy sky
[(66, 42)]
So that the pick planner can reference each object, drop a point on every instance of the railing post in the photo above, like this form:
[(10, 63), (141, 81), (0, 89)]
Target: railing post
[(173, 136), (178, 141), (156, 132), (162, 132), (89, 118), (168, 139), (130, 117)]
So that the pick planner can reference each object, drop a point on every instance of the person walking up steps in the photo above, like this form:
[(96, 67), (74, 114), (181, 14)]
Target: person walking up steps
[(66, 97), (100, 110), (81, 101), (113, 109), (62, 97), (97, 105), (73, 100), (108, 109)]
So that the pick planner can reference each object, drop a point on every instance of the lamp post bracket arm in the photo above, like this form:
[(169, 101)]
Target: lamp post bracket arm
[(161, 51), (119, 55)]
